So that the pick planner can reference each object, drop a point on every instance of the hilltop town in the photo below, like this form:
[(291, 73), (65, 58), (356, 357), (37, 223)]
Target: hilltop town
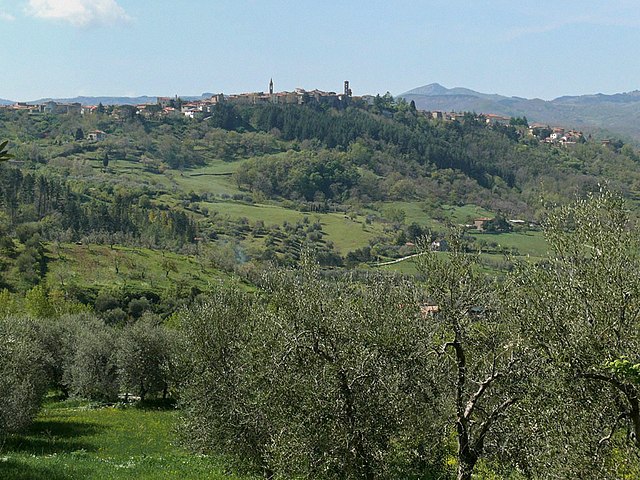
[(203, 108), (199, 108)]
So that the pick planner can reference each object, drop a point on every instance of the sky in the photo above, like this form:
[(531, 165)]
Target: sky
[(543, 49)]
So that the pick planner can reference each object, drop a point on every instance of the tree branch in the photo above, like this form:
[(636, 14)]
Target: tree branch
[(471, 404), (488, 423), (624, 388), (613, 429)]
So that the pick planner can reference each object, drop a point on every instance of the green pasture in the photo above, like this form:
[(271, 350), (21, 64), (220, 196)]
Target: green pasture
[(138, 268), (346, 233), (419, 213), (530, 243), (71, 440)]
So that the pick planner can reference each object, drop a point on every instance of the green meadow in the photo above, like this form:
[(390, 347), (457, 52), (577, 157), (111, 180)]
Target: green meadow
[(75, 440)]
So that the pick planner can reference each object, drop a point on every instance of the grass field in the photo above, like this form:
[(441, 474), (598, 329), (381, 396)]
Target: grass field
[(69, 440), (415, 212), (346, 233), (140, 268), (530, 243)]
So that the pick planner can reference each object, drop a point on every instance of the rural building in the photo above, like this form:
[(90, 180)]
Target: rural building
[(480, 223), (96, 136)]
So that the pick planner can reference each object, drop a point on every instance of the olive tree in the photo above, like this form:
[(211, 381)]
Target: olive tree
[(479, 357), (23, 372), (90, 369), (144, 358), (219, 397), (321, 378), (582, 309), (349, 367)]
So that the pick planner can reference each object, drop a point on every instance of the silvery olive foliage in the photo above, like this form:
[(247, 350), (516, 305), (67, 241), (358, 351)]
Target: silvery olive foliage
[(582, 312), (23, 372)]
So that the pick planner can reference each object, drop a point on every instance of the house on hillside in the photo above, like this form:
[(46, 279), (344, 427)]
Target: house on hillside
[(23, 106), (493, 119), (557, 134), (96, 136), (56, 108), (480, 223), (88, 109)]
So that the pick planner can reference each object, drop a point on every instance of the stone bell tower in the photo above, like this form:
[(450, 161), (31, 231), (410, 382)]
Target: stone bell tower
[(347, 90)]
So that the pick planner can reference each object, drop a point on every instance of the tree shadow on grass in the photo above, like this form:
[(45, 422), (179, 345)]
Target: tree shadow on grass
[(156, 404), (48, 437), (15, 470), (64, 429), (12, 469)]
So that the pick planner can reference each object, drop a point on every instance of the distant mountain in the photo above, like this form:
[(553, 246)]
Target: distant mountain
[(97, 100), (107, 100), (113, 100), (618, 113)]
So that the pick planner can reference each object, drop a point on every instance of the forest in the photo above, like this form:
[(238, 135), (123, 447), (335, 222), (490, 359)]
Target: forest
[(231, 271)]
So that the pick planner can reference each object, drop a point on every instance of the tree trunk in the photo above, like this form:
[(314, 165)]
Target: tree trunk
[(635, 417), (362, 466), (465, 468)]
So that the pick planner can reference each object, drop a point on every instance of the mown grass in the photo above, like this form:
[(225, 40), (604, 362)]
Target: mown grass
[(70, 440)]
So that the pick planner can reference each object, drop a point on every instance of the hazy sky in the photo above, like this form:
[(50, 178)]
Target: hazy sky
[(164, 47)]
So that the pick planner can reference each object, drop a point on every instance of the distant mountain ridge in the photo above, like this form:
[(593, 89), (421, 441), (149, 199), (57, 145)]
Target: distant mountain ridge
[(85, 100), (617, 114)]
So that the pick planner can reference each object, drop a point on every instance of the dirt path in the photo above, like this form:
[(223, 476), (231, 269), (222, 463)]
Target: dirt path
[(398, 260)]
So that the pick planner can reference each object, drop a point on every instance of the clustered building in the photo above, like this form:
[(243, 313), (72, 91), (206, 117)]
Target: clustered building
[(200, 108), (545, 133), (298, 97)]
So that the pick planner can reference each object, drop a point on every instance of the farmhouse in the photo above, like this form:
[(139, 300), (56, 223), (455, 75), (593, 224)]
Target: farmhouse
[(96, 136)]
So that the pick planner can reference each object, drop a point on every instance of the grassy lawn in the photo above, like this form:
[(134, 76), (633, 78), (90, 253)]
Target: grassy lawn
[(415, 212), (462, 215), (205, 183), (69, 440)]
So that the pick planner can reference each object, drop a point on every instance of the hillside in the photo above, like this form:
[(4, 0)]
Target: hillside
[(616, 114), (167, 202)]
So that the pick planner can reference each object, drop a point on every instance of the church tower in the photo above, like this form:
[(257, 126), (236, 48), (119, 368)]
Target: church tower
[(347, 90), (271, 87)]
